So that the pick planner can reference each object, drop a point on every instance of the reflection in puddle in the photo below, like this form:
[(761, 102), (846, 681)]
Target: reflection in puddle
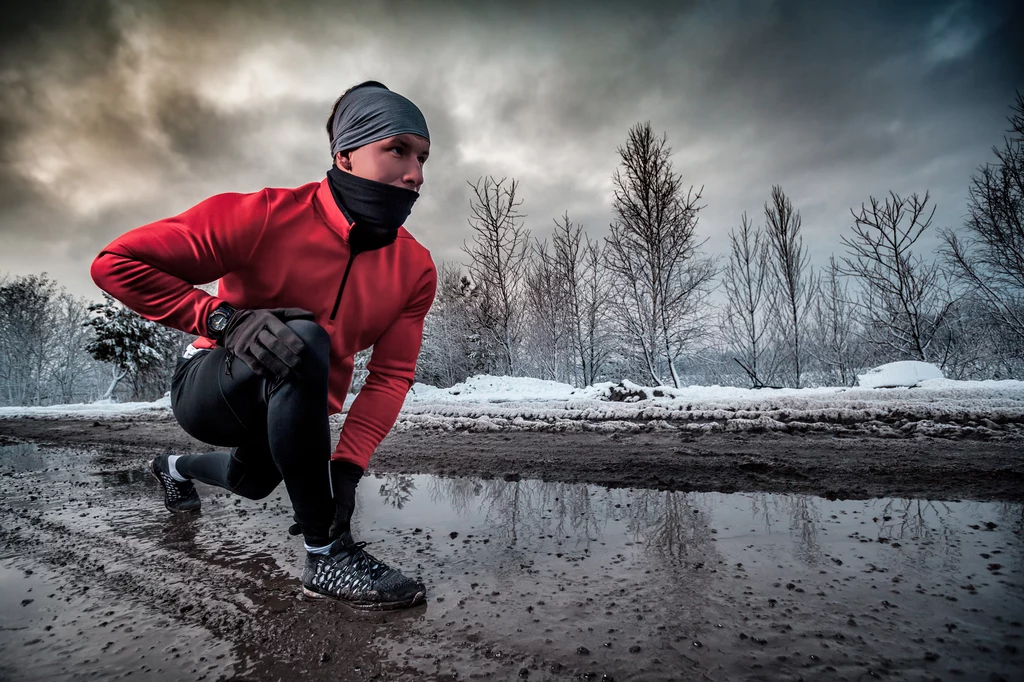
[(555, 566), (678, 525)]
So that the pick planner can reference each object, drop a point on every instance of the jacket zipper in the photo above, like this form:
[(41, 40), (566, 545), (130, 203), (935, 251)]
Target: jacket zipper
[(344, 278)]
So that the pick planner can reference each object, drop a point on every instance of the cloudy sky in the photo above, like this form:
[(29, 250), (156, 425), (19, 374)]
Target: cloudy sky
[(115, 114)]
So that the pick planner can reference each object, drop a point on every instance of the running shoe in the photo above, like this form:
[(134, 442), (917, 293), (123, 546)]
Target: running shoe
[(179, 496), (353, 576)]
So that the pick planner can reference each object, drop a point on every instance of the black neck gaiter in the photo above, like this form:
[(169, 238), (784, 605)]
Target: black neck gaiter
[(375, 210)]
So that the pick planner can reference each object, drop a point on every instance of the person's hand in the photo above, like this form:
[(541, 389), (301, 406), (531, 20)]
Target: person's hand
[(264, 342)]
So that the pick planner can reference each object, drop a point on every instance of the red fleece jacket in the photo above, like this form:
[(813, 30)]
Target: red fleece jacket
[(287, 248)]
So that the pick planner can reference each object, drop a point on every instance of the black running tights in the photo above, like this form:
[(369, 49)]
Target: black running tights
[(275, 431)]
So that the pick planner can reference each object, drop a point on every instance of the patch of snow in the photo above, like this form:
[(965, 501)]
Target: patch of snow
[(906, 373), (494, 389), (933, 407), (99, 409)]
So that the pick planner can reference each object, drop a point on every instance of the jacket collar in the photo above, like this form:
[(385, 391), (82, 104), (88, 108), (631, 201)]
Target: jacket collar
[(330, 212)]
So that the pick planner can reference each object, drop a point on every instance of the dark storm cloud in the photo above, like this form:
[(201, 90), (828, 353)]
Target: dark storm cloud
[(115, 114)]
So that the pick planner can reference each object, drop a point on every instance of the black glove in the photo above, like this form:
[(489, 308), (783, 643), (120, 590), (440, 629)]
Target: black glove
[(344, 479), (264, 342)]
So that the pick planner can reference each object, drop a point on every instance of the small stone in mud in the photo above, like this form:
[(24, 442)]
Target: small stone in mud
[(26, 602), (931, 656), (453, 535), (583, 651), (697, 644), (325, 657), (523, 672), (635, 649), (994, 567)]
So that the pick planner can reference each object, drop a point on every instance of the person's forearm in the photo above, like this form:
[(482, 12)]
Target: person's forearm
[(152, 293), (371, 417), (154, 269)]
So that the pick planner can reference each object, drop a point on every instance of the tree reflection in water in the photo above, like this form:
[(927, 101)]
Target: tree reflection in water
[(534, 508), (804, 514), (397, 489), (671, 525)]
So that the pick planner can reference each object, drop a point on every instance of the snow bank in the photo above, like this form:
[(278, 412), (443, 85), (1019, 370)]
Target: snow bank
[(105, 409), (933, 407), (937, 406), (494, 389), (906, 373)]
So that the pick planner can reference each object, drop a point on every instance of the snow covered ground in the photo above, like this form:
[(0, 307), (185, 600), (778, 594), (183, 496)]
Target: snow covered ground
[(101, 409), (927, 406), (924, 406)]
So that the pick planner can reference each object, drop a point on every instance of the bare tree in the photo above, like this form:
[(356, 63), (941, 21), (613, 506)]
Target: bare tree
[(834, 326), (748, 306), (661, 281), (26, 323), (577, 261), (498, 259), (989, 258), (903, 304), (546, 302), (792, 276), (69, 363), (445, 358)]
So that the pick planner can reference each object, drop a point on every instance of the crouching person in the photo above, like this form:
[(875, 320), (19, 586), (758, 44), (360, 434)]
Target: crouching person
[(307, 276)]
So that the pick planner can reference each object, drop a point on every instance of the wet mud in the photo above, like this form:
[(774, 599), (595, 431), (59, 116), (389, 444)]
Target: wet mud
[(826, 466), (527, 579)]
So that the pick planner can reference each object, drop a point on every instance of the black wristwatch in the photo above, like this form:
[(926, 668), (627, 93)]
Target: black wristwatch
[(217, 321)]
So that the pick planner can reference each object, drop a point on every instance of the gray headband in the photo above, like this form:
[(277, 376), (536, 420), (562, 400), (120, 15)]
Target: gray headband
[(371, 112)]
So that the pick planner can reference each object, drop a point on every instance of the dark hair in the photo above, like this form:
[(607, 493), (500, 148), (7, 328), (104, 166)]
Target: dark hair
[(334, 109)]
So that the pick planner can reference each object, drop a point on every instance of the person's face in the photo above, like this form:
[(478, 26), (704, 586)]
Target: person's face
[(396, 160)]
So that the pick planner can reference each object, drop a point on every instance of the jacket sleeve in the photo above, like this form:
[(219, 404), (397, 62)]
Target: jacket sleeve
[(392, 368), (153, 269)]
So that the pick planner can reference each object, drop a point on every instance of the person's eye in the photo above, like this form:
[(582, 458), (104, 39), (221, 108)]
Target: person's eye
[(397, 150), (423, 160)]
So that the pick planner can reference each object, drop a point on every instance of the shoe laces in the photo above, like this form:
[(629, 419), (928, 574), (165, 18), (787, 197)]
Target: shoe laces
[(361, 560)]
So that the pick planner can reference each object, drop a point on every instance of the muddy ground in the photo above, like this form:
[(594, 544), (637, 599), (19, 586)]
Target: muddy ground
[(547, 557), (826, 466)]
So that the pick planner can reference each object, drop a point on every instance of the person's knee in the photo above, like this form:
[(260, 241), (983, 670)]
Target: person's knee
[(314, 337), (316, 353)]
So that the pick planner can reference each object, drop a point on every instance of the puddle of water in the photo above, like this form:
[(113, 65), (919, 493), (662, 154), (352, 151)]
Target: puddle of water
[(570, 579), (738, 580), (19, 458)]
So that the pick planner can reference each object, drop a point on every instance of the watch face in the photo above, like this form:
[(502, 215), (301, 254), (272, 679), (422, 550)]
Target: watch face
[(218, 321)]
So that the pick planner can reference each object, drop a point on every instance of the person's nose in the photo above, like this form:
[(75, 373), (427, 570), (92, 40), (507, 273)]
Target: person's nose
[(413, 176)]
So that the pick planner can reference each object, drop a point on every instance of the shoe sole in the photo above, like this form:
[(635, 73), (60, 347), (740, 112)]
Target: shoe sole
[(152, 472), (417, 599)]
